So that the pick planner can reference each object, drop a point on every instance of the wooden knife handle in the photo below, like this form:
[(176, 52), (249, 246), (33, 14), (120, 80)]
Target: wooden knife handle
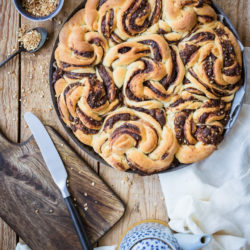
[(79, 227)]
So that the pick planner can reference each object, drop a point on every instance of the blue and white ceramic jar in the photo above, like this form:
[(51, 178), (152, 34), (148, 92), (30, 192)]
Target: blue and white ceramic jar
[(156, 235)]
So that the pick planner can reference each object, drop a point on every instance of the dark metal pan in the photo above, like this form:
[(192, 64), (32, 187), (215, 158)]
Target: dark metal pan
[(236, 106)]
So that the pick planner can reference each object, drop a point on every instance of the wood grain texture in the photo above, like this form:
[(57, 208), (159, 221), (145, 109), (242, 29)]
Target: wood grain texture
[(142, 195), (9, 23), (37, 204), (237, 10)]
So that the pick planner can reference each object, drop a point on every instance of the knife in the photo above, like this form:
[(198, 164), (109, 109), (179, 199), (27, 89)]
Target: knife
[(57, 171)]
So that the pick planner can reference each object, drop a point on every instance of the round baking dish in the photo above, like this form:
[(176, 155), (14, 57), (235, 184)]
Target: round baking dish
[(236, 105)]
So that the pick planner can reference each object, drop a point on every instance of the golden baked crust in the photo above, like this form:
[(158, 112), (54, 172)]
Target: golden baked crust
[(147, 82)]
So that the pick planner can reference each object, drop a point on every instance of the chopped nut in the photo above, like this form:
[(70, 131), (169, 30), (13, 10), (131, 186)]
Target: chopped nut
[(29, 40), (37, 211), (86, 208), (40, 8)]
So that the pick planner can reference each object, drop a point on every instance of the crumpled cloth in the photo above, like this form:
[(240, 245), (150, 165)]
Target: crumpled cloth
[(213, 196)]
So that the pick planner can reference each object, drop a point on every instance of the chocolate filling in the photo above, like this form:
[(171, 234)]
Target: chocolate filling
[(209, 135), (164, 156), (228, 53), (180, 101), (202, 37), (208, 19), (155, 90), (140, 12), (157, 114), (187, 52), (108, 83), (89, 119), (235, 71), (168, 81), (124, 50), (79, 126), (128, 129), (74, 75), (208, 66), (179, 123), (87, 54), (156, 13), (115, 38), (101, 2), (155, 47), (147, 68), (118, 117)]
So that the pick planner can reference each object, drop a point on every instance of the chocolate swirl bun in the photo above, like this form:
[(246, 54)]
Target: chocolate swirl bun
[(198, 126), (213, 60), (133, 138), (183, 15), (82, 103), (147, 83), (149, 70)]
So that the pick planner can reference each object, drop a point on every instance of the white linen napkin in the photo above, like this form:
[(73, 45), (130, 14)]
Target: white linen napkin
[(213, 196)]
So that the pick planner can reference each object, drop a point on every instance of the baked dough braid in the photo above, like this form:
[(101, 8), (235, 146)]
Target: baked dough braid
[(212, 57), (137, 139), (149, 84), (82, 103)]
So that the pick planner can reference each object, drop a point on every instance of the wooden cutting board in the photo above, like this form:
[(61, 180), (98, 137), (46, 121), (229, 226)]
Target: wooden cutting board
[(32, 205)]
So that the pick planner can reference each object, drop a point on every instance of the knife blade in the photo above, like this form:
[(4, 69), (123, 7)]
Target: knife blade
[(57, 171)]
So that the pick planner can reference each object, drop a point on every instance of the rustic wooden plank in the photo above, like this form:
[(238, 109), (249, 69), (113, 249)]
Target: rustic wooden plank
[(143, 198), (9, 23), (239, 13), (37, 202)]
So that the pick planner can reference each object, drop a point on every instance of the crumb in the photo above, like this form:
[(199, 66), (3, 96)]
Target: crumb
[(74, 199), (85, 205), (85, 194), (93, 184), (51, 211), (96, 202), (126, 178), (86, 208), (37, 211)]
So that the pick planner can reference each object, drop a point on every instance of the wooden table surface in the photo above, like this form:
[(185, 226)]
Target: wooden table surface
[(24, 87)]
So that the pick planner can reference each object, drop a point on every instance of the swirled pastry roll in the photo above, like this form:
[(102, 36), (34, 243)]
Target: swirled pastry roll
[(147, 83), (136, 139)]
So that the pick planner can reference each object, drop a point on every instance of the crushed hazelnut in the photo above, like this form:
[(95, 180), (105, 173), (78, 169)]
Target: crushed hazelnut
[(30, 40), (40, 8)]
